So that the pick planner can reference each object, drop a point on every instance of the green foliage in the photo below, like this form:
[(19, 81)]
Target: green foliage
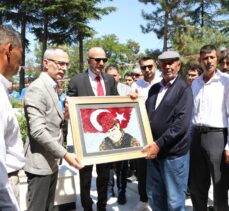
[(23, 126), (189, 41), (16, 103), (117, 53)]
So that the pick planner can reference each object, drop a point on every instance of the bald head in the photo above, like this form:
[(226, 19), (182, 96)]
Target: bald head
[(96, 60), (95, 51)]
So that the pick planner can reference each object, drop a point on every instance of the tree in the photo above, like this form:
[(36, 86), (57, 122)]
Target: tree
[(18, 13), (193, 38), (117, 53), (66, 22), (162, 19)]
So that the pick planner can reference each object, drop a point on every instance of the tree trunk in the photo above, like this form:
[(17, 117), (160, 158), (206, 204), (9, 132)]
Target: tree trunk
[(23, 37), (81, 66), (45, 38), (202, 14), (166, 31)]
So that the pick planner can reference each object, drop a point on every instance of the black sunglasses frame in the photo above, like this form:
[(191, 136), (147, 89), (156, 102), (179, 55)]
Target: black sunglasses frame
[(150, 66), (99, 59)]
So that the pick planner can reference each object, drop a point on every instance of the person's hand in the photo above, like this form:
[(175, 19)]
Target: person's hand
[(134, 95), (72, 160), (66, 110), (226, 154), (151, 150)]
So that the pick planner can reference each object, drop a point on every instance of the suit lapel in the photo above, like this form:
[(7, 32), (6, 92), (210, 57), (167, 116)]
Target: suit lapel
[(88, 84), (53, 96), (151, 102), (106, 83)]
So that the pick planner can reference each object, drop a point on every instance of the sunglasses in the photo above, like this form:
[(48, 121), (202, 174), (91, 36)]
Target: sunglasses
[(99, 59), (147, 66)]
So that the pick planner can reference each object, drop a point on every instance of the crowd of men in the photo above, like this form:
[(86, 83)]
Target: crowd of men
[(189, 121)]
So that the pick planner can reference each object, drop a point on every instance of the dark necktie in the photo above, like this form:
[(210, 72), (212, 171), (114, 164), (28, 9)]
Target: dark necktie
[(100, 91)]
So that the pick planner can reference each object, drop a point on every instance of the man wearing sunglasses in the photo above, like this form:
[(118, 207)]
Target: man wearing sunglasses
[(93, 82), (44, 144), (148, 68)]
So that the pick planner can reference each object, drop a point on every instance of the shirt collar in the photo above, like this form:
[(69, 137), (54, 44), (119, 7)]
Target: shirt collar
[(169, 83), (50, 80), (215, 77), (6, 83), (93, 75)]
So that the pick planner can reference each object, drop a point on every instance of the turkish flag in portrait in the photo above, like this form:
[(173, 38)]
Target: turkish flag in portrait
[(100, 120)]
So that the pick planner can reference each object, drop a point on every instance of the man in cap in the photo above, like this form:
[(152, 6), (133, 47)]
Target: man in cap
[(169, 107)]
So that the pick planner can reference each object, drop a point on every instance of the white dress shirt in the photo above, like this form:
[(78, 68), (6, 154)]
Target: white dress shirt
[(162, 91), (94, 82), (143, 86), (11, 147), (13, 152), (123, 89), (211, 102)]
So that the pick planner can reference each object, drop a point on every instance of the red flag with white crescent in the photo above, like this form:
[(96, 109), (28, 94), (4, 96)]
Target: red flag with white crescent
[(99, 120)]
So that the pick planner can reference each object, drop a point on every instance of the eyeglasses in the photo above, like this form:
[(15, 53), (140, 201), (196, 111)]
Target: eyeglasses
[(60, 63), (143, 67), (99, 59)]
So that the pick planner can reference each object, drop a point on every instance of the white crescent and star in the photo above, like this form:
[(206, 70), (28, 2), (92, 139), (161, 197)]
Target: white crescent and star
[(94, 115)]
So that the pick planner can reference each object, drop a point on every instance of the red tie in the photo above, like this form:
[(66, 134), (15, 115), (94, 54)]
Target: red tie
[(100, 91)]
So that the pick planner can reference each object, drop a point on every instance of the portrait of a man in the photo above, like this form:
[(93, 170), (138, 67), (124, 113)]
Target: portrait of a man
[(117, 138), (112, 128)]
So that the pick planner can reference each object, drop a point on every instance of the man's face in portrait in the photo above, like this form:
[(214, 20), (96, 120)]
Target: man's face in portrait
[(115, 133)]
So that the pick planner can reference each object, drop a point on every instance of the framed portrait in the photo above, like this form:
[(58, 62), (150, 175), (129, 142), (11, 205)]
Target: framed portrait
[(108, 128)]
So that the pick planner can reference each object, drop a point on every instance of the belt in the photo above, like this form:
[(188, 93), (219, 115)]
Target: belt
[(14, 173), (205, 129)]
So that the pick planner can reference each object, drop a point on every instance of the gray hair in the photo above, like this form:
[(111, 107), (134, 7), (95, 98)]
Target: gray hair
[(50, 51), (9, 35)]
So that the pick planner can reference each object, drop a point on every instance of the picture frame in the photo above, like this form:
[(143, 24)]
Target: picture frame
[(108, 128)]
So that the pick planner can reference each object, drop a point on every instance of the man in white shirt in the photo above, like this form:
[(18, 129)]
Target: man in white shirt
[(11, 147), (148, 67), (209, 152)]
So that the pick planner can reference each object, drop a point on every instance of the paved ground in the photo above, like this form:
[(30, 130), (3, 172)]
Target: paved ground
[(131, 194)]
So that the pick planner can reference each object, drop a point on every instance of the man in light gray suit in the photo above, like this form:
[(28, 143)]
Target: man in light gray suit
[(43, 147)]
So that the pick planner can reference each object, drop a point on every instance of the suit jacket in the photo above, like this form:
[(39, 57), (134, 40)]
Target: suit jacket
[(170, 121), (80, 85), (44, 116)]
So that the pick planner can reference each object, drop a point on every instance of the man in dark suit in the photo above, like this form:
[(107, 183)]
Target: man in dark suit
[(169, 107), (43, 147), (94, 83)]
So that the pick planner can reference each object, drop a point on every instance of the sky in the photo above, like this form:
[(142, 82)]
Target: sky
[(125, 24)]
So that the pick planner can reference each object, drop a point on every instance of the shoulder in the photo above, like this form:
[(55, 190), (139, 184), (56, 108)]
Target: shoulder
[(79, 76), (108, 77)]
